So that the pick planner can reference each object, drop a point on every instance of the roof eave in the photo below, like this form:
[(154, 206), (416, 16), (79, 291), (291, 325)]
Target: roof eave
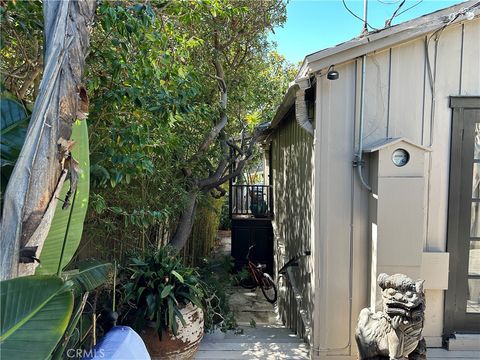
[(384, 38), (287, 102)]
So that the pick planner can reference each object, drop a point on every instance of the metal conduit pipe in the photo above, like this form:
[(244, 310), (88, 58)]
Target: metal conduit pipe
[(358, 162)]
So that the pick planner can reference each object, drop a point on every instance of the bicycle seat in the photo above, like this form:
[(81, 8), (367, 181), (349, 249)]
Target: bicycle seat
[(261, 266)]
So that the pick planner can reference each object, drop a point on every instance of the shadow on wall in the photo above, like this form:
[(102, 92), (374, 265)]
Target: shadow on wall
[(292, 152)]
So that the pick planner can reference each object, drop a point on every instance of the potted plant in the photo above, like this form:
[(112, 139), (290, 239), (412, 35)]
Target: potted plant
[(163, 298), (258, 205)]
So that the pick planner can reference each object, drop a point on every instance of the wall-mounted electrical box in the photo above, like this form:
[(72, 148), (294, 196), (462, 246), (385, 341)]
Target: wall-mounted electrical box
[(397, 210)]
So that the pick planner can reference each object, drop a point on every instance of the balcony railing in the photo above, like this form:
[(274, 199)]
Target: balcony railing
[(251, 200)]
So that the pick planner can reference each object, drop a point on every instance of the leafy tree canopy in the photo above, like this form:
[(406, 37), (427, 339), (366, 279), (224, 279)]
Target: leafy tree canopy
[(155, 96)]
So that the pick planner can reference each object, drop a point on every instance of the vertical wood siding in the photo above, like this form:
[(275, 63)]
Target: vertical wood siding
[(399, 102), (292, 187), (334, 179)]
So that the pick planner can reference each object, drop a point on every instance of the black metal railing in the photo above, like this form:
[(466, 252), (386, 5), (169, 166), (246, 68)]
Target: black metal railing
[(253, 200)]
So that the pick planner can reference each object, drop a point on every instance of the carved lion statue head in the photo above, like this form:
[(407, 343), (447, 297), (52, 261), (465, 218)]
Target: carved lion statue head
[(402, 297)]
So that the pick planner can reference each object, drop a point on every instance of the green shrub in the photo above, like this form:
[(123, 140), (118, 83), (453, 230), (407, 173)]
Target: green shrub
[(225, 221), (216, 279), (157, 286)]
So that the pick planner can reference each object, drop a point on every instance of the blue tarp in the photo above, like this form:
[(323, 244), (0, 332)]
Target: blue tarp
[(120, 343)]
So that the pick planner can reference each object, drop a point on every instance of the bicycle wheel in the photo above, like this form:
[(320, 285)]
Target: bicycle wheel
[(269, 289)]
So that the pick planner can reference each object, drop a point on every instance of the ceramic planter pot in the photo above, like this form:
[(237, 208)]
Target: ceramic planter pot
[(184, 345)]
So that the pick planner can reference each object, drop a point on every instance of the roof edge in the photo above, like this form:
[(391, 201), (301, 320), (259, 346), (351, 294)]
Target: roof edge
[(385, 37), (383, 143), (287, 102)]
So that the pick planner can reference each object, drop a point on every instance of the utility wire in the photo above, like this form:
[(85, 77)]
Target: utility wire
[(431, 73), (389, 2), (356, 16), (411, 7), (389, 21), (396, 13)]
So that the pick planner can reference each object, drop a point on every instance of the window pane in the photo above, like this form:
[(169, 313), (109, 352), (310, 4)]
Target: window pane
[(473, 296), (475, 220), (476, 181), (474, 259), (476, 152)]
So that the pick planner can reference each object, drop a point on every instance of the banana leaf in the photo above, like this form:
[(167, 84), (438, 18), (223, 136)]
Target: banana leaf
[(13, 129), (35, 311), (69, 339), (67, 225), (89, 275)]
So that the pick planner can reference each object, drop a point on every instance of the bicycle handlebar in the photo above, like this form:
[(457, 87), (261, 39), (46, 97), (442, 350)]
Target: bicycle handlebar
[(293, 260), (248, 253)]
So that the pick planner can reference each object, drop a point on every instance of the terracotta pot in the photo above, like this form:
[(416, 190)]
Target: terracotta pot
[(180, 347)]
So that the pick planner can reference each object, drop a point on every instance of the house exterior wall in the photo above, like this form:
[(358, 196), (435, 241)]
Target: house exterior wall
[(398, 103), (291, 162)]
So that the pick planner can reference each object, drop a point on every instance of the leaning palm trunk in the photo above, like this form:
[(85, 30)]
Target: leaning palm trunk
[(45, 162)]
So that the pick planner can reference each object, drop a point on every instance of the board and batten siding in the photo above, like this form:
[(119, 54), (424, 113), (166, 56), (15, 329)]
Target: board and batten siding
[(398, 103), (291, 162)]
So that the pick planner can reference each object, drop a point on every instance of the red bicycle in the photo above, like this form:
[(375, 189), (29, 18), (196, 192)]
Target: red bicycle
[(258, 278)]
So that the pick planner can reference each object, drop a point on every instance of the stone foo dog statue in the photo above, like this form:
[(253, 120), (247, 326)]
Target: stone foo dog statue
[(395, 332)]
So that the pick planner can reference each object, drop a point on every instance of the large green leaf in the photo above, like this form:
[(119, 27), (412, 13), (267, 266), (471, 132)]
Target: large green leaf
[(69, 340), (13, 129), (89, 275), (35, 311), (68, 224)]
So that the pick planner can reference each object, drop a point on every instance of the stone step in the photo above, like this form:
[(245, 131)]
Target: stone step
[(251, 351), (231, 346), (464, 342), (270, 333), (270, 342), (240, 340), (238, 355), (452, 355)]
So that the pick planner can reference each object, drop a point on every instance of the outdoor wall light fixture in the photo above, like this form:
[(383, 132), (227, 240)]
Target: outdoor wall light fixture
[(332, 73)]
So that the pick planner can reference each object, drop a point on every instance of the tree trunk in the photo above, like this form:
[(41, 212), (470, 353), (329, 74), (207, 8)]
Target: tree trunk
[(30, 198), (184, 227)]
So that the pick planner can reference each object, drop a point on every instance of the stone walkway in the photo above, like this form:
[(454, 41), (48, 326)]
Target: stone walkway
[(260, 335), (264, 342)]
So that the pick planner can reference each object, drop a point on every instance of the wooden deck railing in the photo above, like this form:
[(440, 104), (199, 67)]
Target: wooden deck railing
[(252, 200)]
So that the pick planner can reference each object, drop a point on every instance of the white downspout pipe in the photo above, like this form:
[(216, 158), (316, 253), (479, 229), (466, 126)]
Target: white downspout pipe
[(301, 109)]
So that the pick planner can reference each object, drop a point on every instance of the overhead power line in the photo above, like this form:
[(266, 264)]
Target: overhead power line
[(389, 2), (411, 7), (356, 16), (389, 21)]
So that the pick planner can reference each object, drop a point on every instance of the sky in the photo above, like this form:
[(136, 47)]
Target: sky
[(313, 25)]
